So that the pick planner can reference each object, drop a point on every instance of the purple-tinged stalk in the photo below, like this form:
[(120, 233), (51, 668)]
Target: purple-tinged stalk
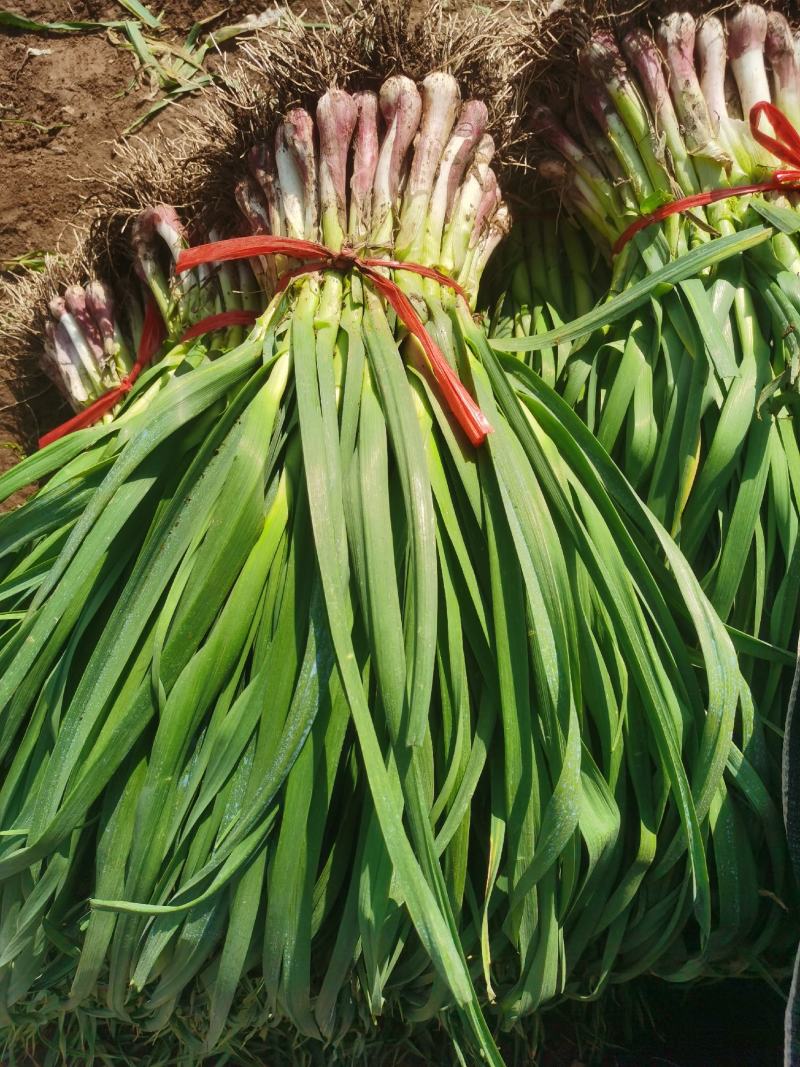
[(563, 179), (779, 49), (601, 151), (440, 100), (640, 50), (599, 104), (73, 339), (84, 351), (261, 164), (711, 61), (717, 85), (365, 161), (253, 207), (180, 299), (168, 226), (493, 229), (490, 202), (298, 130), (465, 208), (401, 107), (337, 114), (262, 168), (75, 303), (100, 305), (62, 364), (676, 39), (159, 221), (469, 128), (546, 124), (747, 34), (606, 63), (291, 180)]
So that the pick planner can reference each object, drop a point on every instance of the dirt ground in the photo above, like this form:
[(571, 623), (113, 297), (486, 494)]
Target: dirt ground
[(62, 112)]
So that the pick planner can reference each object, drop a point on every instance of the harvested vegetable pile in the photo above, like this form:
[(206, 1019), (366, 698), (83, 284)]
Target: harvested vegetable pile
[(676, 175), (343, 673), (693, 393)]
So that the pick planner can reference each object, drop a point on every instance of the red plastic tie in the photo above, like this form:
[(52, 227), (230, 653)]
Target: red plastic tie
[(220, 322), (317, 257), (786, 147)]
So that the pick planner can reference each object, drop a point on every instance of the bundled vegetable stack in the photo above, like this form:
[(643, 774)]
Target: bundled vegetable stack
[(678, 165), (341, 672)]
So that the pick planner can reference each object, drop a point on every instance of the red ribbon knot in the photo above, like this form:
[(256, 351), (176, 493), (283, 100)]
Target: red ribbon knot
[(315, 257)]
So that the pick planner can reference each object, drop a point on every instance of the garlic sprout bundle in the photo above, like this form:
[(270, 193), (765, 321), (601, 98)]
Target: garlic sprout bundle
[(436, 203), (686, 369), (668, 116)]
